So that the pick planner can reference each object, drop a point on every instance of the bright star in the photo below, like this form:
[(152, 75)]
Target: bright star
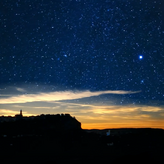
[(140, 57)]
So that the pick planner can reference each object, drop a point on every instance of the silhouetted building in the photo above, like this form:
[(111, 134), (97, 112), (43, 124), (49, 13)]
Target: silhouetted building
[(21, 112), (19, 115)]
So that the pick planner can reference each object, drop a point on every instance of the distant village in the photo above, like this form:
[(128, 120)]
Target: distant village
[(21, 117)]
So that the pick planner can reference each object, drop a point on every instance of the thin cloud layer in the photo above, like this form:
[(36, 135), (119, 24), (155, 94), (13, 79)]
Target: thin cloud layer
[(58, 96), (114, 109), (7, 112), (20, 89)]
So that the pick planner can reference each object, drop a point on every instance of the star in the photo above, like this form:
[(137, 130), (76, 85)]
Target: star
[(142, 81), (140, 57)]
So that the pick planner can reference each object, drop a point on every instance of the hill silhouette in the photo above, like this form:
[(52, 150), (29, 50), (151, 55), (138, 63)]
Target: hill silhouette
[(20, 125), (60, 139)]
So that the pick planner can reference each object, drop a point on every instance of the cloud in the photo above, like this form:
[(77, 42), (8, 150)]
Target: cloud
[(112, 111), (20, 89), (58, 96), (151, 109), (1, 89), (115, 109), (7, 112), (110, 108)]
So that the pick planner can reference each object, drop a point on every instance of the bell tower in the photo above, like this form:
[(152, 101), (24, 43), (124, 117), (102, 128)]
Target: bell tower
[(21, 112)]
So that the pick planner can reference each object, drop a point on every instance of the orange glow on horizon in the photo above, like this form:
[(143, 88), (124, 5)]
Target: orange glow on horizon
[(159, 125), (116, 117)]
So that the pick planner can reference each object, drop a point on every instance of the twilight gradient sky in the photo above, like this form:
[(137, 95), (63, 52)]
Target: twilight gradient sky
[(102, 61)]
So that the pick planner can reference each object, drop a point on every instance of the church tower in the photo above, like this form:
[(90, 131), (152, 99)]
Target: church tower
[(19, 115), (21, 112)]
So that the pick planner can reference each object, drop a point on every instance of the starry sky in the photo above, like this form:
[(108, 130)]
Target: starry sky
[(102, 61)]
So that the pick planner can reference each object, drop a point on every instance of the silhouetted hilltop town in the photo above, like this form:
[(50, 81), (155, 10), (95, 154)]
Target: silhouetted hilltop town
[(38, 124), (59, 138)]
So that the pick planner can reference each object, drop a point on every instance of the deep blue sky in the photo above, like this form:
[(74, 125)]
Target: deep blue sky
[(84, 45)]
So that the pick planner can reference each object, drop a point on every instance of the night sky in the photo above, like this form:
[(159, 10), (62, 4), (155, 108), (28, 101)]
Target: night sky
[(102, 61)]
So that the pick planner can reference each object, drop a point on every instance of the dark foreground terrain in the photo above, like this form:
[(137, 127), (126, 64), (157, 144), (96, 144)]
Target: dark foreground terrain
[(50, 139)]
